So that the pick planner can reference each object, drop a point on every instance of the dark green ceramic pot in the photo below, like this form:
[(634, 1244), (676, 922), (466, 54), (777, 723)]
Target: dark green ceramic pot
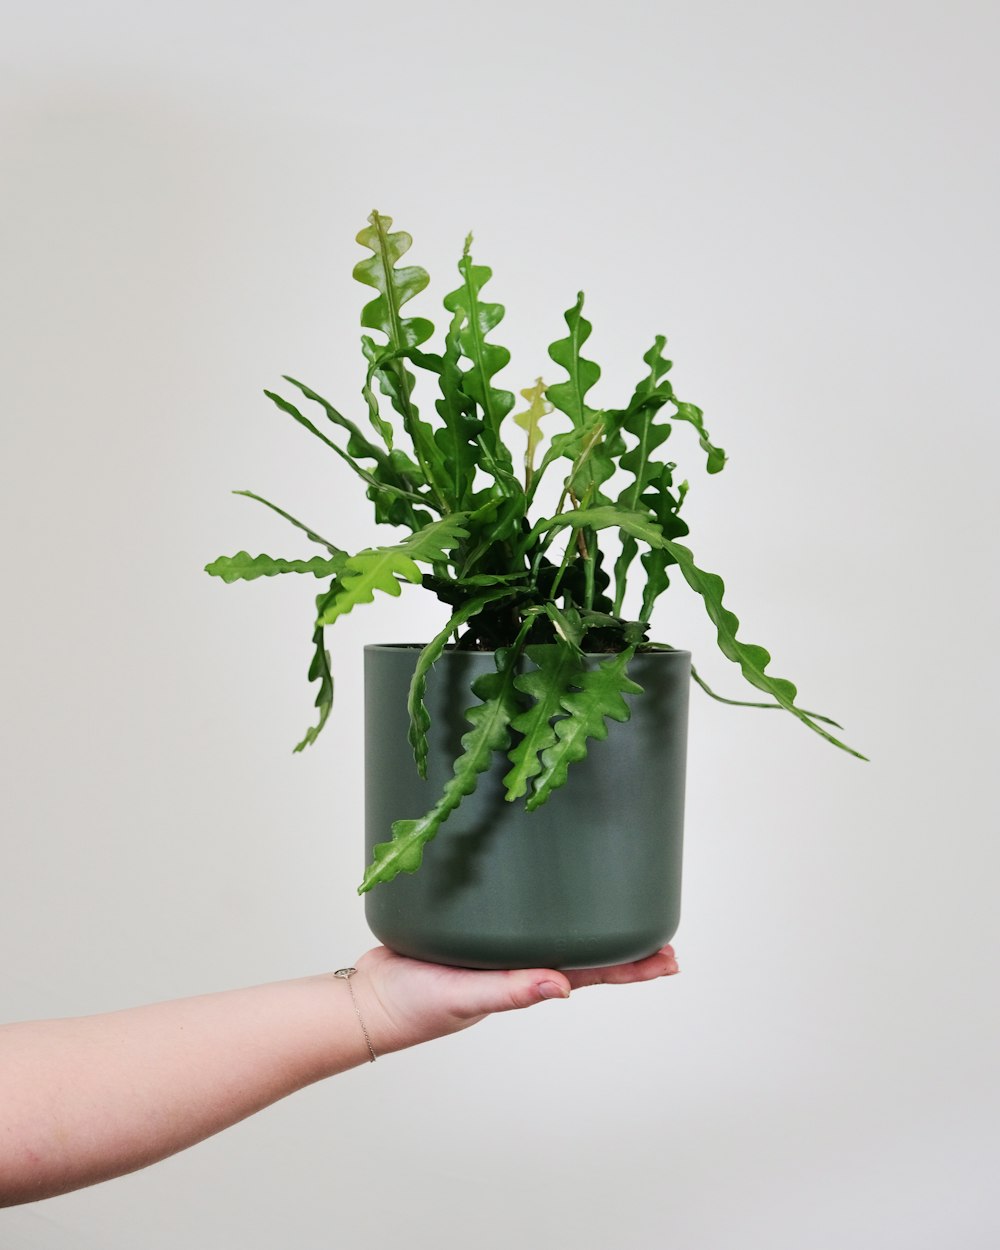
[(591, 878)]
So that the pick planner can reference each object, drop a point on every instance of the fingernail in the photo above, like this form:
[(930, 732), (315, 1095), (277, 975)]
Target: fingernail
[(549, 989)]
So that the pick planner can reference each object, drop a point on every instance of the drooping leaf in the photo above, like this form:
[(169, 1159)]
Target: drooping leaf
[(243, 567), (309, 533), (558, 670), (478, 319), (381, 568), (600, 697), (420, 720), (490, 732), (752, 659), (319, 670), (774, 707)]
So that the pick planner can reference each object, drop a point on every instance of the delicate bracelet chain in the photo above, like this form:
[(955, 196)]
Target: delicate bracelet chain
[(345, 974)]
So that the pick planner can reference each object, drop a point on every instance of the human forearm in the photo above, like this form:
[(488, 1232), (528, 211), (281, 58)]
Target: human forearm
[(82, 1100)]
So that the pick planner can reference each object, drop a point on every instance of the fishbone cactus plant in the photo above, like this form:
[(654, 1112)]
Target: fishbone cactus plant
[(476, 540)]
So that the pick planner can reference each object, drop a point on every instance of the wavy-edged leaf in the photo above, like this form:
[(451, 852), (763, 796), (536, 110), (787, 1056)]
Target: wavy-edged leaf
[(243, 567), (600, 698), (395, 286), (420, 720), (490, 720), (309, 533), (530, 420), (570, 396), (691, 414), (457, 440), (559, 669), (486, 359), (381, 568), (319, 670), (752, 659), (773, 707)]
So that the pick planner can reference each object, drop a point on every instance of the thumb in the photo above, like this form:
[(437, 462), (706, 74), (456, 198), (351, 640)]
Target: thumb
[(508, 991)]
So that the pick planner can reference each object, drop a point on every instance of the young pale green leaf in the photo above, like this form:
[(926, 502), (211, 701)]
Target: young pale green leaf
[(559, 670), (243, 567), (478, 319), (600, 697), (309, 533), (490, 732), (420, 720), (530, 420), (381, 568), (319, 670)]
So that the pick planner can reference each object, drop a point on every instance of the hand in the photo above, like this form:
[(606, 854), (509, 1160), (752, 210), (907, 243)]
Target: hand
[(405, 1001)]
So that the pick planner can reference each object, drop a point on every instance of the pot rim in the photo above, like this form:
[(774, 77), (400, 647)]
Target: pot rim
[(450, 650)]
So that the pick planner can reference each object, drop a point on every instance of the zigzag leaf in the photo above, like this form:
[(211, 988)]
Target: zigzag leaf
[(600, 697), (490, 732), (395, 286), (486, 359), (319, 670), (420, 720), (243, 567), (530, 421), (559, 669), (380, 568), (752, 659)]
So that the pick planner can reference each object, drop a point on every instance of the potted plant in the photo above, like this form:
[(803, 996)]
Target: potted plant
[(531, 552)]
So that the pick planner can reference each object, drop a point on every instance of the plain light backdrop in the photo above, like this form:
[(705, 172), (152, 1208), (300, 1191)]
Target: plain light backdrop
[(804, 199)]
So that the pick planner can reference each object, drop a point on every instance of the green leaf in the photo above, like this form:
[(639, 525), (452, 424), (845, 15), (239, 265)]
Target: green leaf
[(773, 707), (373, 482), (570, 397), (310, 534), (558, 670), (693, 415), (598, 699), (379, 568), (243, 567), (360, 447), (478, 318), (319, 670), (490, 732), (396, 286), (420, 720), (457, 441), (752, 659)]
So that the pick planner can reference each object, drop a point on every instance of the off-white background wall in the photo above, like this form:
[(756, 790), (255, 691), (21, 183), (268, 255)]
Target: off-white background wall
[(804, 198)]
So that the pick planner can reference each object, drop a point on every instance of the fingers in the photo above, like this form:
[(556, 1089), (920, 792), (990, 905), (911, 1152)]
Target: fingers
[(662, 963)]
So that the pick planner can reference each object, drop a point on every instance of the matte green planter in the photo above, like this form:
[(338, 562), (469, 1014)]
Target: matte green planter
[(591, 878)]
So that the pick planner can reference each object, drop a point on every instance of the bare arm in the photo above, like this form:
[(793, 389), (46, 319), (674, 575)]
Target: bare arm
[(83, 1100)]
